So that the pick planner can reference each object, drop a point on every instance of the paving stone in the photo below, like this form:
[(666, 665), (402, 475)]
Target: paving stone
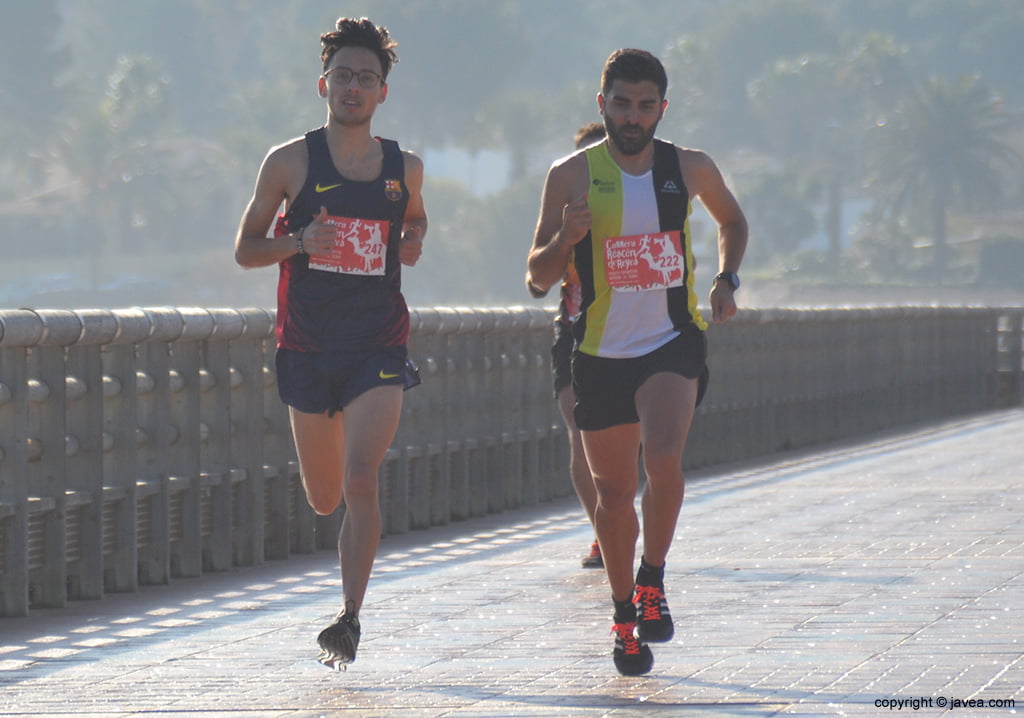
[(809, 584)]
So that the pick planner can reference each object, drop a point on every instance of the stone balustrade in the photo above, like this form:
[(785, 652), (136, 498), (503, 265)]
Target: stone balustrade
[(139, 445)]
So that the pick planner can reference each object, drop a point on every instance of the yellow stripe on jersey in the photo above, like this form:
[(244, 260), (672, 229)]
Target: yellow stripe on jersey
[(691, 264), (605, 201)]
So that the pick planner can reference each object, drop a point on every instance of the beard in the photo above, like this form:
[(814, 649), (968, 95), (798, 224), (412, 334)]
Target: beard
[(629, 145)]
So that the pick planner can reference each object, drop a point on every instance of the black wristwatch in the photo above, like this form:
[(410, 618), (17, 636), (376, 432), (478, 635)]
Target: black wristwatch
[(731, 277)]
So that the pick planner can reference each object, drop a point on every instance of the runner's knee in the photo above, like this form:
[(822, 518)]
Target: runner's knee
[(665, 461), (322, 500), (360, 483)]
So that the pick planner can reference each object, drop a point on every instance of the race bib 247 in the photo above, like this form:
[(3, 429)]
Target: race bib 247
[(359, 247)]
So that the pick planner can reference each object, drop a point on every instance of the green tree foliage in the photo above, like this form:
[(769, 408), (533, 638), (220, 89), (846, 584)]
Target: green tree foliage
[(140, 125), (815, 111), (945, 147), (31, 63), (949, 38), (744, 43), (776, 203)]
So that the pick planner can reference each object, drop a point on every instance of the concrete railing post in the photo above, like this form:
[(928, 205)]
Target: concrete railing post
[(85, 454)]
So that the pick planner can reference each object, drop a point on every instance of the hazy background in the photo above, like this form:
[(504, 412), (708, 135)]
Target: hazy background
[(875, 145)]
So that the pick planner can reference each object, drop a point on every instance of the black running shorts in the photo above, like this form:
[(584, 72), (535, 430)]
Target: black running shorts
[(606, 388), (318, 382)]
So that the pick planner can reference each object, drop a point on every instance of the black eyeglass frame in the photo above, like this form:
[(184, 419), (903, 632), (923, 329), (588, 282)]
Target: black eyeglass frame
[(367, 79)]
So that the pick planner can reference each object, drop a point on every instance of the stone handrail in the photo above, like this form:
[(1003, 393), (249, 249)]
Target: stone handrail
[(138, 445)]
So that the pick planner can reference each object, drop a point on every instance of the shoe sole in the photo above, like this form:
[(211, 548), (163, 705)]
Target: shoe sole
[(334, 662), (338, 647)]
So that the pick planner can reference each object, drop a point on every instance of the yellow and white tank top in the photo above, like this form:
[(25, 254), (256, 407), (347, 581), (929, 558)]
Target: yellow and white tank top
[(636, 264)]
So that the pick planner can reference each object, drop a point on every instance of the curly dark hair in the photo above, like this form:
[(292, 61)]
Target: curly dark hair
[(634, 65), (360, 33), (589, 134)]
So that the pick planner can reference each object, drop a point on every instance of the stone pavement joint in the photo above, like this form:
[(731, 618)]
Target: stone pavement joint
[(878, 573)]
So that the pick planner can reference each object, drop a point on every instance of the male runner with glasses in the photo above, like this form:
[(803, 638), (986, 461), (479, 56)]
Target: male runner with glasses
[(353, 215), (620, 210)]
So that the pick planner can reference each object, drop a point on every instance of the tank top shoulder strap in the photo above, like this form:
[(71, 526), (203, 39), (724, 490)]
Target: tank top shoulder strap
[(669, 188), (394, 164), (321, 167)]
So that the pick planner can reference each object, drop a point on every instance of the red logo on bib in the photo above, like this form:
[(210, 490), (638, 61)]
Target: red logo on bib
[(644, 261), (359, 247)]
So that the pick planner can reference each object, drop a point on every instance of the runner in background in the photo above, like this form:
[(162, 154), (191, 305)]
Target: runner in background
[(561, 372)]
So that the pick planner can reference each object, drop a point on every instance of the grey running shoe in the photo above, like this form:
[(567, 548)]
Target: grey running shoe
[(338, 642)]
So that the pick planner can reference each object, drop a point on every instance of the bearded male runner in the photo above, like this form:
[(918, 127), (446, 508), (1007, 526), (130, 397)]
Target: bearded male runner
[(619, 209)]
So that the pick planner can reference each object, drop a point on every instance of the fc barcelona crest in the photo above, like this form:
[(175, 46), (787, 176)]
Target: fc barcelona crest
[(393, 189)]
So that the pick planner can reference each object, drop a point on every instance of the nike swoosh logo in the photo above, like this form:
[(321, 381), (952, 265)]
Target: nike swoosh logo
[(382, 375), (320, 188)]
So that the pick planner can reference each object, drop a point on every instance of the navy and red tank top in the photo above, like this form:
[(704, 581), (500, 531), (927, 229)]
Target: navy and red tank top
[(352, 301)]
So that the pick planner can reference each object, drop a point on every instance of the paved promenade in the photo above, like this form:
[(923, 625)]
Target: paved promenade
[(876, 577)]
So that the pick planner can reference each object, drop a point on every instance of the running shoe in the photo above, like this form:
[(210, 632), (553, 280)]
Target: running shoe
[(594, 560), (654, 623), (338, 642), (631, 656)]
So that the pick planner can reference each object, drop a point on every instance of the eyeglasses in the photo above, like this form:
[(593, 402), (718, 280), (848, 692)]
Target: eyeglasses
[(344, 75)]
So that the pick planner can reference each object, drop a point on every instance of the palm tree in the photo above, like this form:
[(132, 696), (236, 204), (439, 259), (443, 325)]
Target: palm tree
[(945, 146), (814, 112)]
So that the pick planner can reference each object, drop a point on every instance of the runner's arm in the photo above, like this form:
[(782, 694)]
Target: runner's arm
[(706, 182), (253, 248), (564, 221), (414, 224)]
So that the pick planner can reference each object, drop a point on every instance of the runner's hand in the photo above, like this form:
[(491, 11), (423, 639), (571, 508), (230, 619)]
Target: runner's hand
[(411, 247), (576, 221), (318, 236), (723, 302)]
